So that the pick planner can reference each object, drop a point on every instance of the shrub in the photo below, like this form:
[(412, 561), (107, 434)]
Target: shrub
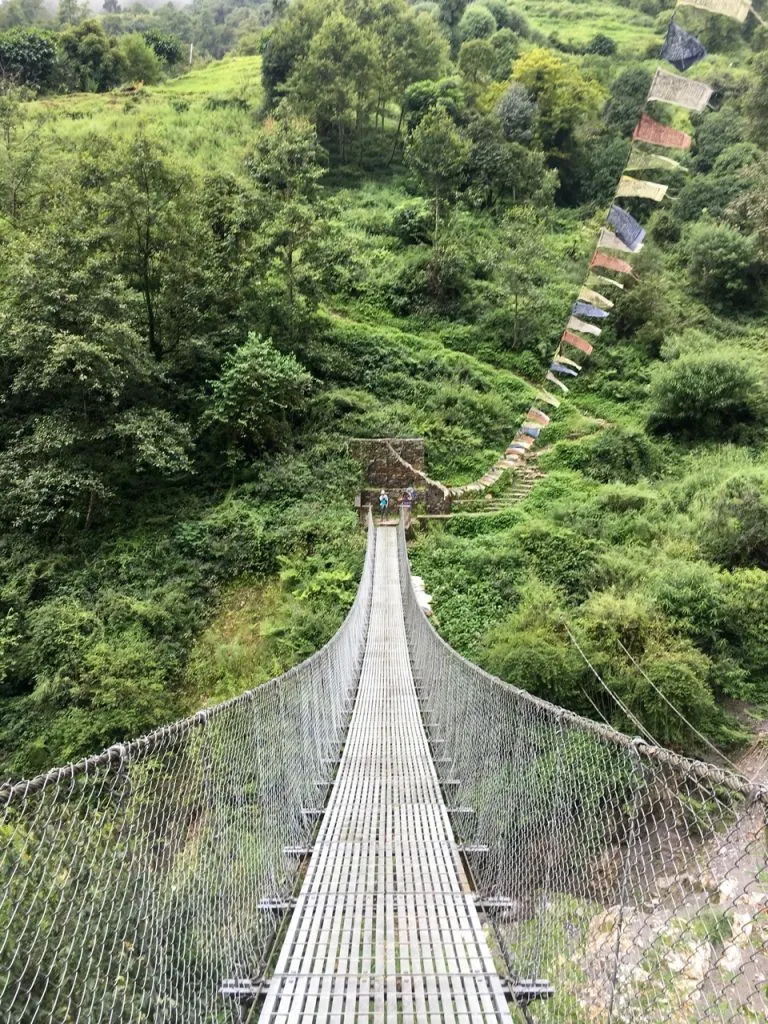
[(28, 57), (627, 99), (616, 454), (502, 15), (714, 133), (477, 60), (602, 45), (477, 22), (704, 394), (516, 112), (721, 264), (167, 46), (413, 221), (142, 63), (736, 530), (710, 194), (528, 650), (506, 48)]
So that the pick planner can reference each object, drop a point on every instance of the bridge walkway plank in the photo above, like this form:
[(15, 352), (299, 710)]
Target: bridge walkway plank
[(385, 928)]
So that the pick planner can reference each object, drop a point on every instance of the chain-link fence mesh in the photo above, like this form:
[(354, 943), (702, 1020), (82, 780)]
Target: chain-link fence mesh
[(135, 883), (633, 880)]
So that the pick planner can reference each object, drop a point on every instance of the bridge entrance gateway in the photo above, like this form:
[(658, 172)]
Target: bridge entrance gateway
[(385, 927)]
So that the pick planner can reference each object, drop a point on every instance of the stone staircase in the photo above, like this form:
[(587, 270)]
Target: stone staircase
[(524, 478)]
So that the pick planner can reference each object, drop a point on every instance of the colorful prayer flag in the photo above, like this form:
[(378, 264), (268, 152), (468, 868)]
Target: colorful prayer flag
[(680, 48), (640, 160), (658, 134), (585, 309), (611, 263), (559, 368), (568, 362), (681, 92), (603, 281), (537, 416), (544, 396), (736, 9), (640, 189), (533, 431), (569, 338), (609, 240), (588, 295), (626, 227), (553, 380), (574, 324)]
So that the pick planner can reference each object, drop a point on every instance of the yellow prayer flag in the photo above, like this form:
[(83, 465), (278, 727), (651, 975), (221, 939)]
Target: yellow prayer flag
[(641, 189), (588, 295), (736, 9)]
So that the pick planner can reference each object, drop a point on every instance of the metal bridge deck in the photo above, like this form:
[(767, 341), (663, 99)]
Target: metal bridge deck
[(385, 928)]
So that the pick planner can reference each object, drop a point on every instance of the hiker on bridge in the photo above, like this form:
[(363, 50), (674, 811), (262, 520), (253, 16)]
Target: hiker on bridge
[(406, 502), (383, 504)]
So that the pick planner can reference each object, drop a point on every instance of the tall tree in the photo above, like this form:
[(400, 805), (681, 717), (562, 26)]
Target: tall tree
[(83, 409), (22, 155), (437, 154), (336, 84), (148, 207), (285, 167), (564, 98)]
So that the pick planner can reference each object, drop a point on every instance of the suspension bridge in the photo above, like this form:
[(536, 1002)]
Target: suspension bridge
[(384, 833)]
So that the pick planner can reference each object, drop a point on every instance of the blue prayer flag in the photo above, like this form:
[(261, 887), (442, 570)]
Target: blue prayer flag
[(681, 49), (626, 228), (585, 309)]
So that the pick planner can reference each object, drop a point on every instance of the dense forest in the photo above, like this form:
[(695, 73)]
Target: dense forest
[(370, 218)]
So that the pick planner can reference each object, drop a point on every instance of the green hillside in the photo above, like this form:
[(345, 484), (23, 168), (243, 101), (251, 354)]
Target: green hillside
[(376, 226)]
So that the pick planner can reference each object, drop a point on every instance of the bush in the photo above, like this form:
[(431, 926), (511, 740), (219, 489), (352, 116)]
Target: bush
[(502, 15), (714, 133), (616, 454), (602, 45), (704, 394), (506, 48), (709, 194), (477, 60), (516, 112), (142, 63), (627, 99), (413, 221), (528, 650), (477, 22), (721, 264), (167, 46), (736, 530), (28, 57)]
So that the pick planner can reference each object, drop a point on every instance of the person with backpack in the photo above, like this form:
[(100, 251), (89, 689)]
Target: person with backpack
[(383, 504)]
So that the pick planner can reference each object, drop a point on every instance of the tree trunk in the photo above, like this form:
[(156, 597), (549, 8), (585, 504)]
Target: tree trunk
[(397, 139), (89, 513)]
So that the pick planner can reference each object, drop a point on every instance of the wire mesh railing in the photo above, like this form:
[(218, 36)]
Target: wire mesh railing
[(133, 883), (633, 880)]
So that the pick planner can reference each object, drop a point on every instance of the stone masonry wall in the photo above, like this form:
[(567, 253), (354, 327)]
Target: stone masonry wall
[(382, 468)]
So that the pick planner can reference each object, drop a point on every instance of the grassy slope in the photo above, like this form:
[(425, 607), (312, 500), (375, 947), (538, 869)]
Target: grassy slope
[(609, 557)]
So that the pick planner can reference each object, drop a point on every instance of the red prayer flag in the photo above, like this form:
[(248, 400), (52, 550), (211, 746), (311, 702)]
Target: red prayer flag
[(537, 416), (600, 259), (573, 339), (648, 130)]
